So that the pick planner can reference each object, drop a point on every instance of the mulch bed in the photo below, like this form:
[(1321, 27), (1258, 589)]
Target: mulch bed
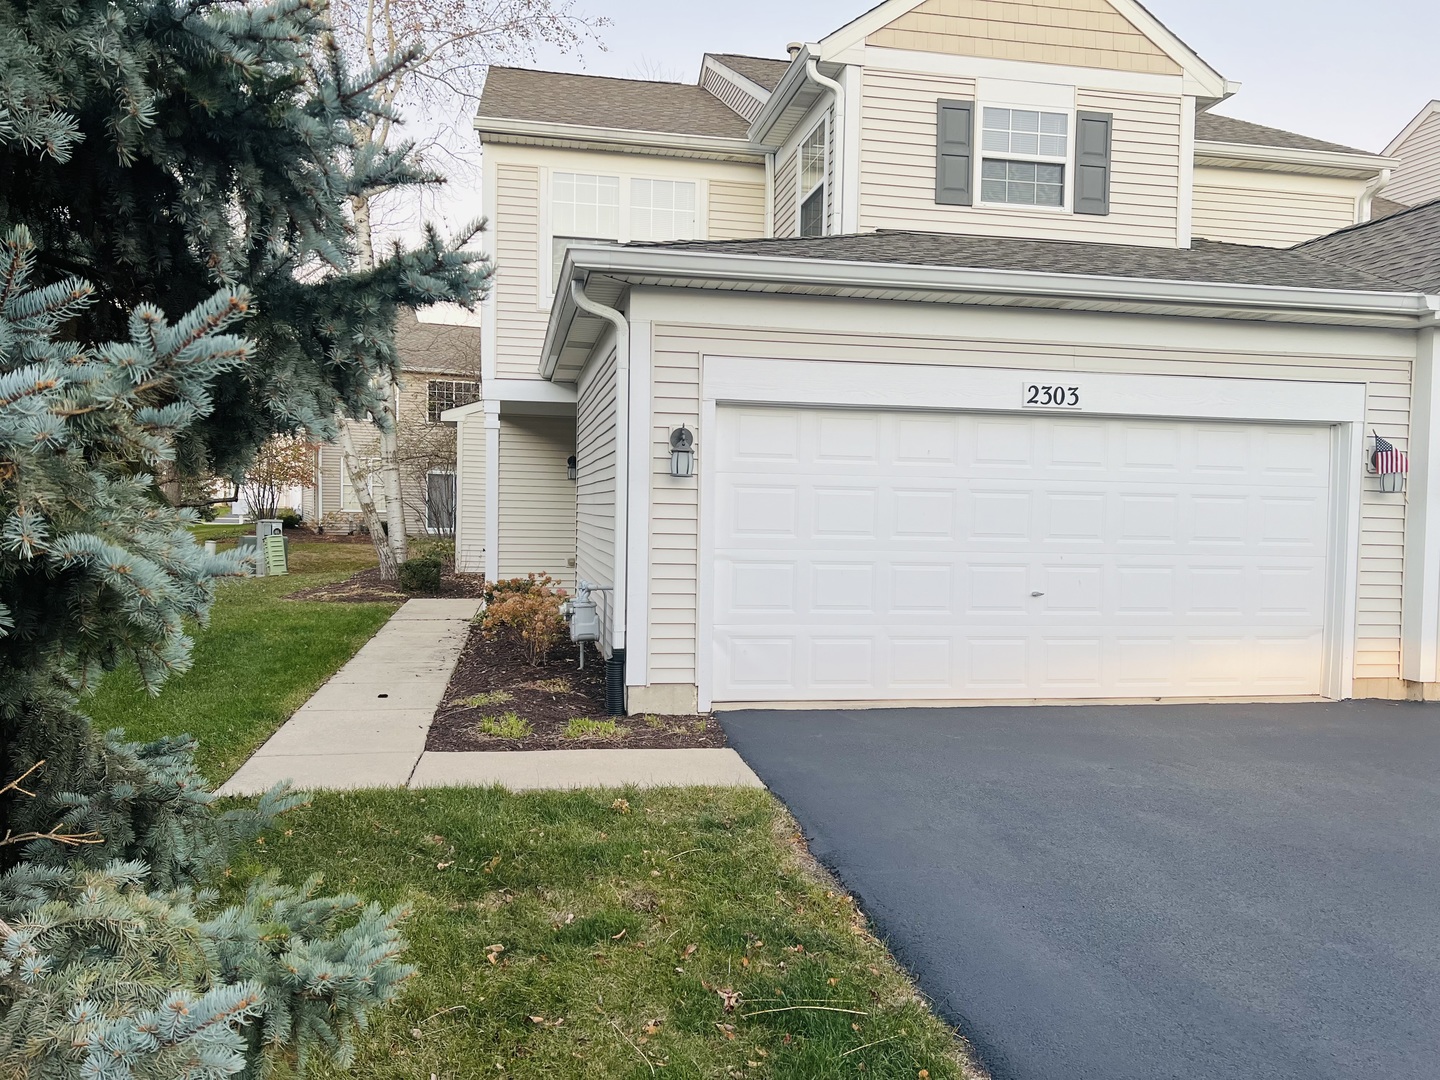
[(366, 587), (547, 698)]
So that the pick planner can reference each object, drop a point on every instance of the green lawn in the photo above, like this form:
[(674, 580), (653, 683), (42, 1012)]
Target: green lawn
[(257, 662), (567, 936), (213, 531)]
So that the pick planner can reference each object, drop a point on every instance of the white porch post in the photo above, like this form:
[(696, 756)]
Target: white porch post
[(492, 490), (1420, 625)]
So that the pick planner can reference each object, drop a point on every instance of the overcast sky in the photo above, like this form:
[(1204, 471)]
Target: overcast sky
[(1343, 70)]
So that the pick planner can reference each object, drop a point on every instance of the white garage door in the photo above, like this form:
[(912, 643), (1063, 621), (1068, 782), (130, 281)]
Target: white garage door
[(909, 555)]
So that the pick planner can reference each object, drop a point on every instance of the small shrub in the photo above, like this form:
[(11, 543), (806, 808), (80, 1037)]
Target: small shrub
[(528, 616), (439, 548), (506, 726), (289, 519), (490, 700), (655, 722), (496, 591), (420, 575), (583, 727)]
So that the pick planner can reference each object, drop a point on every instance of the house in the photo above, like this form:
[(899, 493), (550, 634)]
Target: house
[(967, 355), (1417, 148), (439, 349)]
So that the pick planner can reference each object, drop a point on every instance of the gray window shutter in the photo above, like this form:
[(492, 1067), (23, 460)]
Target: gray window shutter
[(955, 155), (1092, 162)]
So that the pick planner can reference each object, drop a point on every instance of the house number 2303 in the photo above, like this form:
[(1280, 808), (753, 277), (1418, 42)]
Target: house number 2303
[(1041, 396)]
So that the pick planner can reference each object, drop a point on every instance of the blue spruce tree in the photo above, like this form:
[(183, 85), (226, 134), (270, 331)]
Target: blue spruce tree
[(155, 157)]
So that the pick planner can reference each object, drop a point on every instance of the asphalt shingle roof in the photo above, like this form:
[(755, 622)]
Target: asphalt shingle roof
[(1212, 128), (1207, 260), (553, 97), (757, 69), (1404, 246)]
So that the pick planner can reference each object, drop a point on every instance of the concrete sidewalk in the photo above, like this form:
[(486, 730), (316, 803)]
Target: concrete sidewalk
[(366, 728)]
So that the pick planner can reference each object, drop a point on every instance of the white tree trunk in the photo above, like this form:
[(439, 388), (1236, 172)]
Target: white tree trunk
[(389, 444), (359, 483)]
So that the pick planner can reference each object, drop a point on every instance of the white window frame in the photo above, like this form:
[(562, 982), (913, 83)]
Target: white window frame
[(431, 415), (349, 501), (1066, 163), (455, 509), (550, 262), (801, 195)]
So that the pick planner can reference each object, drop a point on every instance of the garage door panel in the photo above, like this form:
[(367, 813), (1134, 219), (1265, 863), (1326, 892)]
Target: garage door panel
[(898, 556)]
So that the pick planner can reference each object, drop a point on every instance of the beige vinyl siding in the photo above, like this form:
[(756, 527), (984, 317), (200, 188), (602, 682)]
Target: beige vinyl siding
[(1242, 206), (595, 485), (787, 208), (1417, 180), (679, 348), (470, 438), (519, 324), (737, 211), (897, 166), (537, 499), (1080, 33)]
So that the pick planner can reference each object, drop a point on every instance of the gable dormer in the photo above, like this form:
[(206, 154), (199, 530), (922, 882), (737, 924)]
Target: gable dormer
[(1063, 119)]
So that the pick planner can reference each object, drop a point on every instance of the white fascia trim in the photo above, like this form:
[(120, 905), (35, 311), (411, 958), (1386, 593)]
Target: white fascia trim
[(663, 140), (793, 81), (462, 412), (1356, 164), (537, 390), (754, 89), (1224, 297), (1410, 128)]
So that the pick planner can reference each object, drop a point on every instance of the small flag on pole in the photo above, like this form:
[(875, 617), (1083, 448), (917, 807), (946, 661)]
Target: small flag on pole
[(1388, 460)]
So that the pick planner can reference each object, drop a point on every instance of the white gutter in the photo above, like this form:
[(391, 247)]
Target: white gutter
[(837, 130), (622, 455), (1293, 158), (537, 131)]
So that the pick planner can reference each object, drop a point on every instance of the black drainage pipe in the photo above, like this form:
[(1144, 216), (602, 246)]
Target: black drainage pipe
[(615, 683)]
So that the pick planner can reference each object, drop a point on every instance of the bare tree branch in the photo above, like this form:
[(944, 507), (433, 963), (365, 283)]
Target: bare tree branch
[(16, 787)]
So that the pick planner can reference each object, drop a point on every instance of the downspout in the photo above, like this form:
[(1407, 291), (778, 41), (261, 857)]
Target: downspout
[(837, 133), (622, 487), (1365, 204)]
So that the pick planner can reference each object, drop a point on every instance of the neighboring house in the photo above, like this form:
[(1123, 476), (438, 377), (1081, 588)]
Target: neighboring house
[(1005, 379), (440, 354), (1417, 177)]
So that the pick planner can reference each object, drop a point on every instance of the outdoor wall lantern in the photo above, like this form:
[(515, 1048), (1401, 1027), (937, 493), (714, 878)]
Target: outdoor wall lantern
[(1389, 464), (682, 452), (572, 468)]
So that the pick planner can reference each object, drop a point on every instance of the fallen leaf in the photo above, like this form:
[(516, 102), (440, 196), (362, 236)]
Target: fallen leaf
[(730, 998), (689, 952), (444, 865), (832, 982), (744, 961), (652, 1028), (789, 1040), (490, 866), (617, 937), (416, 1033), (537, 1019), (923, 1074), (622, 805)]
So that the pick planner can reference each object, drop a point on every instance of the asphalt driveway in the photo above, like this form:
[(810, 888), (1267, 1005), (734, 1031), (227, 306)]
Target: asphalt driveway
[(1198, 892)]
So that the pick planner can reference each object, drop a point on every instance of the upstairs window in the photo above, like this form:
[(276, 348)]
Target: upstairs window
[(1024, 153), (814, 176), (588, 209), (447, 394), (662, 210)]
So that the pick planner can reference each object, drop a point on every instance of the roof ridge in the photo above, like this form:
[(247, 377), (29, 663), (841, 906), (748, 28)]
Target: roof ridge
[(587, 75)]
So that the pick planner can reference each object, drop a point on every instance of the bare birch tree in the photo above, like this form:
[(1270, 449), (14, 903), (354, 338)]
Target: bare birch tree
[(453, 43)]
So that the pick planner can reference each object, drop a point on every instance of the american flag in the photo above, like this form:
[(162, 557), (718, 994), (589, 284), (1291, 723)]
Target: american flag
[(1388, 460)]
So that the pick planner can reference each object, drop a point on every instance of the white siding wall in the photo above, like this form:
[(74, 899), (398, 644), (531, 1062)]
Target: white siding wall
[(838, 331), (537, 500), (519, 322), (737, 211), (1243, 206), (1417, 179), (595, 486), (787, 209), (897, 166), (470, 494)]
